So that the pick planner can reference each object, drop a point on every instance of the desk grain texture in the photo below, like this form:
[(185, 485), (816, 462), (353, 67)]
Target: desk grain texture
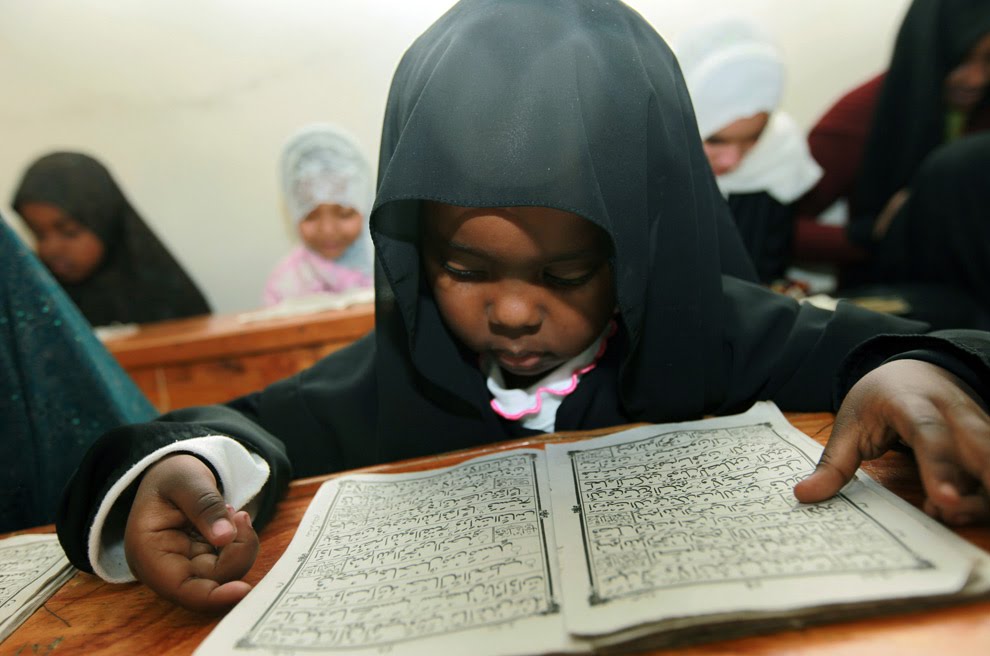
[(88, 616), (212, 359)]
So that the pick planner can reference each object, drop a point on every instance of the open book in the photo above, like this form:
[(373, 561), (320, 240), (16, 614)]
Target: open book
[(653, 536), (32, 568)]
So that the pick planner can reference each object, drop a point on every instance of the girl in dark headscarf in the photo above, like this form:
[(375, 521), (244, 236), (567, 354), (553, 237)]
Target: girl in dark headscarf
[(874, 144), (547, 230), (934, 90), (95, 244), (59, 388)]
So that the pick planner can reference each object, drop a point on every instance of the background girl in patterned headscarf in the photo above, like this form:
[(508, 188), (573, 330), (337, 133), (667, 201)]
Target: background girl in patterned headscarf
[(328, 190), (97, 246)]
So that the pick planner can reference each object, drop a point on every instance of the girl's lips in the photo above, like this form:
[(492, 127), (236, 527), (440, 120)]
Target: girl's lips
[(331, 248), (520, 363), (60, 267)]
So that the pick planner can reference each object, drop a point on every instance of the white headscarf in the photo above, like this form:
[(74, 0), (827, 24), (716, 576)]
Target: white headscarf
[(323, 164), (733, 71)]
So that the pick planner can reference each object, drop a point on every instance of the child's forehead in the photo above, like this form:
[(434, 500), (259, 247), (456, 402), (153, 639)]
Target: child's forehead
[(438, 215), (553, 228)]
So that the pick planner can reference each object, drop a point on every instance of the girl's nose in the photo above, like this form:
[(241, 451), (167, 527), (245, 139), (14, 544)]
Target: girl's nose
[(516, 309), (730, 157), (328, 227)]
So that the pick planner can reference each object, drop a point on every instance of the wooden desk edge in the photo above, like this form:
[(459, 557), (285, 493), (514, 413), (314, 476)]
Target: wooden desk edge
[(149, 349)]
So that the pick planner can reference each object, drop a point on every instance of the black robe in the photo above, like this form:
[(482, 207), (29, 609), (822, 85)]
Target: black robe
[(138, 280), (948, 212), (767, 228), (578, 106)]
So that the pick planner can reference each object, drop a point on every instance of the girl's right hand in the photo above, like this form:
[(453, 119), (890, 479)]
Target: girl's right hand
[(184, 542)]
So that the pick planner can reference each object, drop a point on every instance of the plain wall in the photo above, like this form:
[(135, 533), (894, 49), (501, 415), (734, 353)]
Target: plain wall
[(188, 102)]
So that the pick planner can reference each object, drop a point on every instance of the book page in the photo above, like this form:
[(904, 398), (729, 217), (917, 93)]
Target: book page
[(32, 568), (699, 519), (449, 561)]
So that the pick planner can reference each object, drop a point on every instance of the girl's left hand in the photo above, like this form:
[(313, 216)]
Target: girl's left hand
[(933, 412)]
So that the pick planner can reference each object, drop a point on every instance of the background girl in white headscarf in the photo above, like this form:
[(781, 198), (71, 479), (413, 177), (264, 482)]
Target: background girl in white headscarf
[(759, 155), (328, 190)]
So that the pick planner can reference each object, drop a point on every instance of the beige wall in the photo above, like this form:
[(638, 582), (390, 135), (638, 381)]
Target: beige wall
[(188, 101)]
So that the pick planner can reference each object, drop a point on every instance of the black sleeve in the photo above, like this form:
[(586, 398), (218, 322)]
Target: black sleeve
[(114, 453), (965, 353), (318, 421), (791, 353), (806, 359)]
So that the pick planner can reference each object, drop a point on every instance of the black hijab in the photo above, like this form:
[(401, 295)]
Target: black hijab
[(909, 121), (579, 106), (139, 280)]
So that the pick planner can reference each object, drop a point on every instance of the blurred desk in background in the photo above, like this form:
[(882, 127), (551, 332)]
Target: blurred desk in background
[(215, 358)]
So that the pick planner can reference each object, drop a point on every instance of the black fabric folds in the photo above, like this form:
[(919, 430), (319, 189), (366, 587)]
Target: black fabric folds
[(139, 281), (942, 235), (767, 228)]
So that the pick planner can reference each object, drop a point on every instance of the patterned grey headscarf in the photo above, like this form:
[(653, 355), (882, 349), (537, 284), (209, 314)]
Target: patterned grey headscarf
[(323, 164)]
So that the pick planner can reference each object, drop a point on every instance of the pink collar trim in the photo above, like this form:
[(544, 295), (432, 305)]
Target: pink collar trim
[(558, 391)]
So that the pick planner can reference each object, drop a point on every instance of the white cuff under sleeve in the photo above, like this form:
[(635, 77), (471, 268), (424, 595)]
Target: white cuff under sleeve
[(242, 475)]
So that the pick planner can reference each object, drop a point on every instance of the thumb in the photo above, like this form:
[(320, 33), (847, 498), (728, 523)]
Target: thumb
[(838, 464), (193, 490)]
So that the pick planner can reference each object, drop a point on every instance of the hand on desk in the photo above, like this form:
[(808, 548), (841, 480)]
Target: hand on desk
[(184, 542), (934, 413)]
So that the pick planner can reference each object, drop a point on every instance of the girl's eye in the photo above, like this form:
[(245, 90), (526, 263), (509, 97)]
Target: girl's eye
[(571, 280), (466, 275)]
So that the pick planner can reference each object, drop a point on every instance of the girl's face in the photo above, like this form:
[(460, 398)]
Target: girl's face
[(330, 229), (727, 147), (70, 250), (530, 287), (967, 83)]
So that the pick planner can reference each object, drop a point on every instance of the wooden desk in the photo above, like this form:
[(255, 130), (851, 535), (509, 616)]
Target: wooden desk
[(211, 359), (88, 616)]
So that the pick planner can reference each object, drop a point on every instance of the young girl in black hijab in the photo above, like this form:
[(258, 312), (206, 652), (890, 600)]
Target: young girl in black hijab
[(936, 88), (934, 97), (97, 246), (547, 230)]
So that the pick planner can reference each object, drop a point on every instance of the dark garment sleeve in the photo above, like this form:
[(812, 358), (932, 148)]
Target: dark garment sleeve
[(965, 353), (117, 451), (788, 352), (277, 423)]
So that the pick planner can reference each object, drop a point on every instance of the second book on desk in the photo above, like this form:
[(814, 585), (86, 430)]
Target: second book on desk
[(652, 537)]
